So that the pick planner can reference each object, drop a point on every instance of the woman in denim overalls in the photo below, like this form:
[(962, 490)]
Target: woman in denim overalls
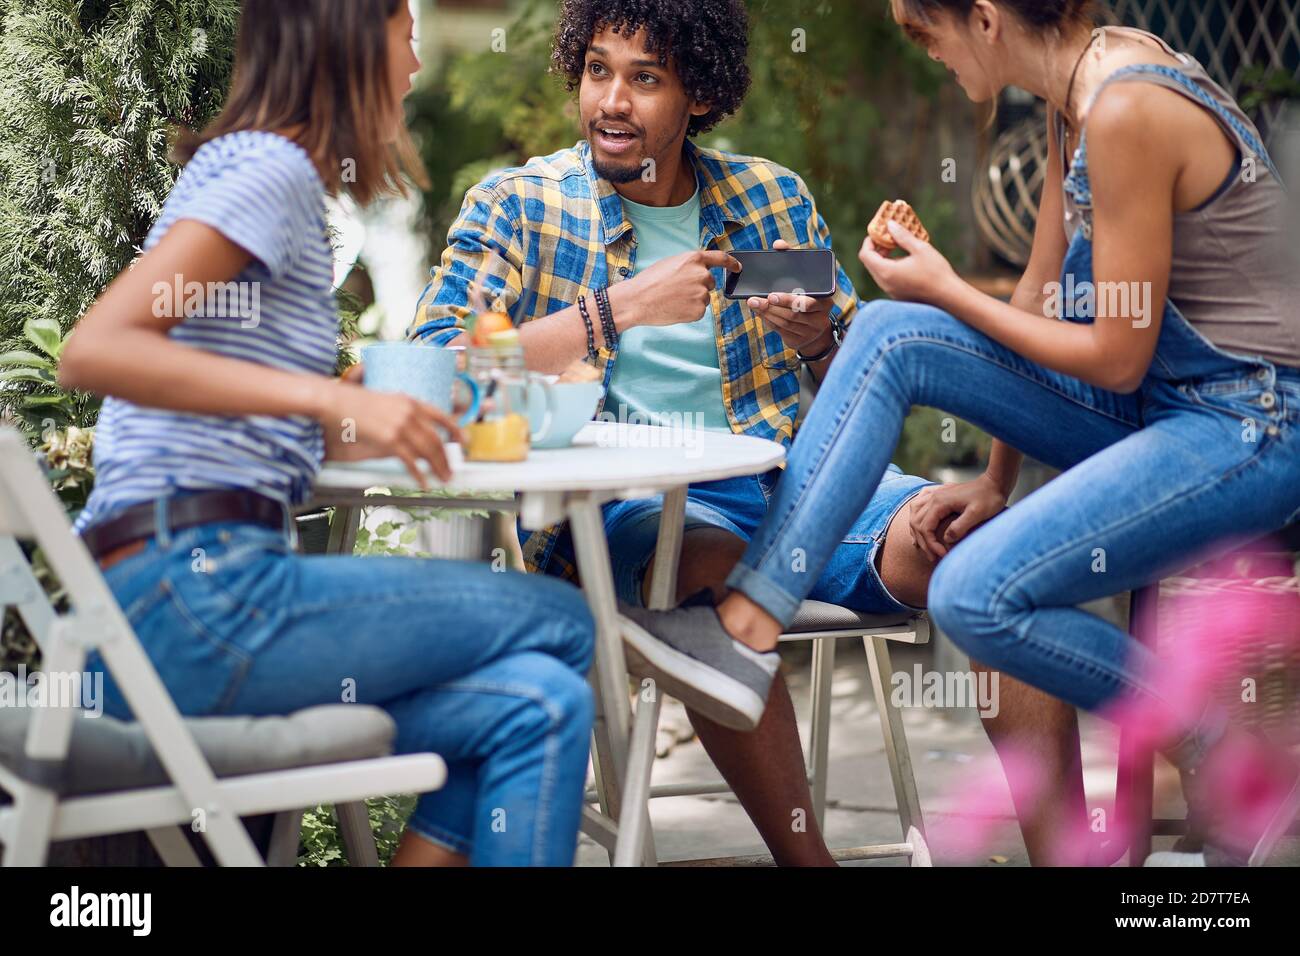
[(1172, 445)]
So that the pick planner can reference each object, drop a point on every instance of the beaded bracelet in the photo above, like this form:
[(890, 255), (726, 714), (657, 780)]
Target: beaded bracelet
[(606, 318), (591, 332)]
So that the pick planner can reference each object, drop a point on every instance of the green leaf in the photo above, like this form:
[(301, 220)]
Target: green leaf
[(384, 530), (42, 401), (38, 375), (39, 421), (24, 359), (45, 335)]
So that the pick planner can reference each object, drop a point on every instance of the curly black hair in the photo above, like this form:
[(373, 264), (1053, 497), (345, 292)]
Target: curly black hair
[(705, 40)]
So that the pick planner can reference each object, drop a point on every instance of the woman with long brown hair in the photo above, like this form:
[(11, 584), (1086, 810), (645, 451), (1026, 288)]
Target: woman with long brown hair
[(216, 424)]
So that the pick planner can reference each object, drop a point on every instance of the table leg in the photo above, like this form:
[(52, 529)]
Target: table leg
[(663, 590), (343, 530), (672, 528), (613, 708), (602, 795), (635, 836), (603, 762)]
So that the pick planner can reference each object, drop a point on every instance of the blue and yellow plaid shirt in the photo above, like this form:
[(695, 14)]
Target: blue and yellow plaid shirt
[(540, 235)]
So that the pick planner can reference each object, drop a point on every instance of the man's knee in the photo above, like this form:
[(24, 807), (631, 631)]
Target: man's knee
[(708, 556), (904, 568)]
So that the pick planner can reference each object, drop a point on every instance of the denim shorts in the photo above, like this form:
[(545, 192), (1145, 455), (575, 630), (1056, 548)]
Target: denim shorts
[(739, 505)]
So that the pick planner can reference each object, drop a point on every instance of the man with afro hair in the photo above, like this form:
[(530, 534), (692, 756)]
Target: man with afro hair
[(639, 214)]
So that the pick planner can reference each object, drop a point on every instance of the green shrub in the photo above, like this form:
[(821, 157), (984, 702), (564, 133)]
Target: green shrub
[(321, 844), (48, 415), (89, 95)]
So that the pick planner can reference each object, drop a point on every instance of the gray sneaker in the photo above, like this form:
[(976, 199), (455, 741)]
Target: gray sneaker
[(689, 654)]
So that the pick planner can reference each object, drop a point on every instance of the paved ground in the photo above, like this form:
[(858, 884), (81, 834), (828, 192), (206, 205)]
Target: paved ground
[(945, 746)]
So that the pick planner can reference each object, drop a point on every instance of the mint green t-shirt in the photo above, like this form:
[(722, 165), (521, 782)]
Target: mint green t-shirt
[(666, 373)]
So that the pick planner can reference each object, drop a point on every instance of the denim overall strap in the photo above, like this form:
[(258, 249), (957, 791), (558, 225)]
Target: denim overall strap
[(1077, 183), (1252, 143)]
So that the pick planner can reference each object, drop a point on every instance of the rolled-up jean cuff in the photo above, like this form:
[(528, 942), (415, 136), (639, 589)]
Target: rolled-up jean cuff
[(764, 593), (439, 837)]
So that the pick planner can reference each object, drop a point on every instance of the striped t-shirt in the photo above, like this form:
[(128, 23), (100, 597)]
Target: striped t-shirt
[(262, 192)]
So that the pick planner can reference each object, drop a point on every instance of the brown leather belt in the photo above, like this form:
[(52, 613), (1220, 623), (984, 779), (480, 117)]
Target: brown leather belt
[(127, 533)]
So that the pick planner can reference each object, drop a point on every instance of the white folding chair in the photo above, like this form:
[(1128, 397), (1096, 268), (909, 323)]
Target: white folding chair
[(72, 776), (823, 624)]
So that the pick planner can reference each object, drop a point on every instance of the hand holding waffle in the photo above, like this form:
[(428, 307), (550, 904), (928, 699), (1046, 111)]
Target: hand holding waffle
[(900, 212), (923, 275)]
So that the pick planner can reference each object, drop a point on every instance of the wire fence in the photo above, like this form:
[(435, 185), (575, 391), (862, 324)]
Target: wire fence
[(1229, 37)]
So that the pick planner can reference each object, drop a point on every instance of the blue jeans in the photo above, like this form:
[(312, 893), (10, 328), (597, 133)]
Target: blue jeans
[(739, 505), (486, 669), (1208, 450)]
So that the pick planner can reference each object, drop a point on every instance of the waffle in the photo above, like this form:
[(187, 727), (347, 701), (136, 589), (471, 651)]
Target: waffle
[(901, 213)]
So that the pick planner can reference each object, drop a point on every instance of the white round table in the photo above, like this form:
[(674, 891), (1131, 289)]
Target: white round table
[(605, 456), (608, 461)]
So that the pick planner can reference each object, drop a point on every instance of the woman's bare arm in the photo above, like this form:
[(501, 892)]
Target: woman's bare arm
[(1133, 170), (1134, 165), (122, 348)]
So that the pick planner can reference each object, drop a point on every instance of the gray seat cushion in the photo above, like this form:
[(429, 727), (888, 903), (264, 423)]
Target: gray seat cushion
[(107, 755), (819, 616)]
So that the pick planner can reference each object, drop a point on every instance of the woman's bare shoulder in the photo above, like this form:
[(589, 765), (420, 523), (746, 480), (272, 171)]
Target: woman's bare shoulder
[(1127, 48), (1127, 51)]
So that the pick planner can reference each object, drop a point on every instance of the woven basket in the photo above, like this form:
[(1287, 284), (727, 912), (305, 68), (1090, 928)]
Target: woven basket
[(1268, 653), (1006, 195)]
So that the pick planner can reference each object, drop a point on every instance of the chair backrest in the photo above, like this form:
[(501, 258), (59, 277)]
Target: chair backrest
[(30, 511), (15, 468)]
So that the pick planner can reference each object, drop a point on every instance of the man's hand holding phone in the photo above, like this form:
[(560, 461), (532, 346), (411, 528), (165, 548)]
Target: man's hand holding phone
[(680, 289)]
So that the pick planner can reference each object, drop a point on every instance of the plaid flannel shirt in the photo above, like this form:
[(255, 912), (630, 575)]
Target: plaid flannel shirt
[(540, 235)]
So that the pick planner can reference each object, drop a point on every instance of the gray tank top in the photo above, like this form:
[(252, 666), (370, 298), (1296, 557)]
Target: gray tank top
[(1233, 277)]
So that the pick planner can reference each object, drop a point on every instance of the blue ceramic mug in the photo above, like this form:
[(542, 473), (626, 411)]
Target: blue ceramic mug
[(558, 411), (425, 372)]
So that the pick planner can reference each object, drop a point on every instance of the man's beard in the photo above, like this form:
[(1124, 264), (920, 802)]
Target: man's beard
[(617, 174)]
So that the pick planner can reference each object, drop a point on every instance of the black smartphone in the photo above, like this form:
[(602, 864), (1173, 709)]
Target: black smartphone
[(809, 272)]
